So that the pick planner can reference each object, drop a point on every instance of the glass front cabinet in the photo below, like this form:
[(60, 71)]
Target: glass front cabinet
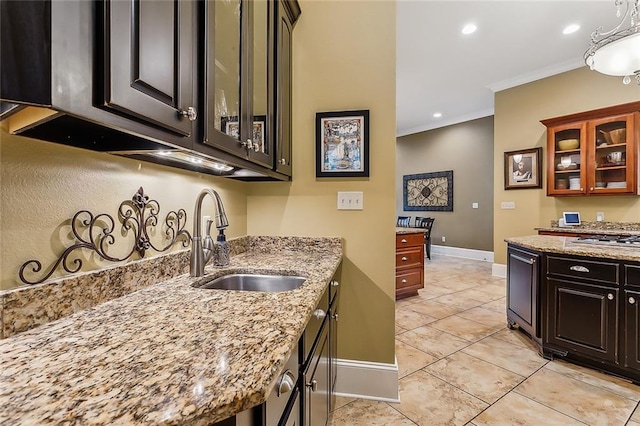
[(594, 153)]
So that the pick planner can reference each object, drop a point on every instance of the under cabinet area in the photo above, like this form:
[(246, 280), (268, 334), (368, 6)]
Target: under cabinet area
[(594, 153), (409, 263), (203, 86)]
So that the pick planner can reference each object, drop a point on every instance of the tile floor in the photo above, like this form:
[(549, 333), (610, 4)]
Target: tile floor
[(459, 365)]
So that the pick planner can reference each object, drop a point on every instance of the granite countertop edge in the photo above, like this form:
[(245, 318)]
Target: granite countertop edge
[(568, 245), (586, 231), (166, 354)]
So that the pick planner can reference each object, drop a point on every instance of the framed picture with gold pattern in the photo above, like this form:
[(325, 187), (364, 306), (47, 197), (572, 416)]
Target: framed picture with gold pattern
[(428, 191)]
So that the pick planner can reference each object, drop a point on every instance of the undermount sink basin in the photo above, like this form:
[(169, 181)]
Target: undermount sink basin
[(253, 282)]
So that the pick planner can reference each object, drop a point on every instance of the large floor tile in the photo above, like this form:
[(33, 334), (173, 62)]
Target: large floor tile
[(411, 359), (482, 296), (409, 319), (491, 287), (498, 305), (399, 329), (636, 415), (456, 301), (465, 328), (456, 284), (368, 413), (481, 379), (516, 337), (433, 341), (341, 401), (433, 309), (429, 401), (515, 409), (590, 404), (593, 377), (485, 316), (430, 291), (514, 358)]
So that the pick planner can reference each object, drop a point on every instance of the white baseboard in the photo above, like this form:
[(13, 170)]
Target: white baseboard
[(466, 253), (367, 380), (499, 270)]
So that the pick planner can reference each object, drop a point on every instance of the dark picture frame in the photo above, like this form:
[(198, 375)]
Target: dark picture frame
[(523, 169), (231, 126), (342, 144), (428, 191)]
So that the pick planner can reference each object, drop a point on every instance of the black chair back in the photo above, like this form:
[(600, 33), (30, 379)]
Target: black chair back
[(404, 221)]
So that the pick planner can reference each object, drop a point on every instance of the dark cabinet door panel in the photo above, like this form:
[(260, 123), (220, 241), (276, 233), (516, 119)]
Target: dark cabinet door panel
[(583, 318), (522, 289), (283, 96), (149, 61), (632, 330)]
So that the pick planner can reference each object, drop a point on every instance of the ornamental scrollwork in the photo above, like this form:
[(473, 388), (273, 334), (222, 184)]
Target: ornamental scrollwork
[(139, 215)]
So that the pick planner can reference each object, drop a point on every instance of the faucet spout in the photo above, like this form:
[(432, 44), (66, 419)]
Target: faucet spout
[(201, 253)]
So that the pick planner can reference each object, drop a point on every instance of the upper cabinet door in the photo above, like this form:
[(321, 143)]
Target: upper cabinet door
[(283, 102), (149, 55), (239, 78)]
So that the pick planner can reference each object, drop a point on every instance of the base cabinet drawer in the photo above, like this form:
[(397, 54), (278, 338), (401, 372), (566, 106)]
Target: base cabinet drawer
[(409, 258)]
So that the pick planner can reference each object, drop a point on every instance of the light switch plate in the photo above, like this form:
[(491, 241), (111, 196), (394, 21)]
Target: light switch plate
[(508, 205), (352, 200), (474, 205)]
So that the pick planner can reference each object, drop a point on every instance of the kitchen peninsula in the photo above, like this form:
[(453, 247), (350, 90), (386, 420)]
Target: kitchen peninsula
[(169, 353), (578, 300)]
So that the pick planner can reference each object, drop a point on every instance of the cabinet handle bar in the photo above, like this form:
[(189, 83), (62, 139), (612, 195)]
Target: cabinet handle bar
[(579, 268)]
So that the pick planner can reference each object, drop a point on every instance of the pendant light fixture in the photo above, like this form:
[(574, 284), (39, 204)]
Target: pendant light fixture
[(617, 52)]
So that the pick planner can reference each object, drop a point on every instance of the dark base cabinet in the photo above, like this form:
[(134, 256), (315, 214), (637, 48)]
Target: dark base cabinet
[(583, 318), (523, 287), (632, 335)]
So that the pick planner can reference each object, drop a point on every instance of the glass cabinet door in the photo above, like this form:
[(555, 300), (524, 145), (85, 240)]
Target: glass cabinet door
[(567, 167), (608, 139), (239, 76)]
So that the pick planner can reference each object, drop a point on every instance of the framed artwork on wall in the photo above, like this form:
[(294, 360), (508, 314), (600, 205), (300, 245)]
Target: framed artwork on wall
[(342, 144), (428, 191), (523, 169)]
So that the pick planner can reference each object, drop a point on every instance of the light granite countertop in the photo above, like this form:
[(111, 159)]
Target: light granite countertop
[(166, 354), (568, 245), (400, 230)]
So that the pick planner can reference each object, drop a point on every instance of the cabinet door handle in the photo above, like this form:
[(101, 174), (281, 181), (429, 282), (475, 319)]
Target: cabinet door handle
[(610, 296), (632, 301), (403, 241), (335, 283), (313, 385), (591, 189), (190, 113), (256, 146), (335, 317), (404, 258), (404, 281), (579, 268), (286, 383), (283, 161)]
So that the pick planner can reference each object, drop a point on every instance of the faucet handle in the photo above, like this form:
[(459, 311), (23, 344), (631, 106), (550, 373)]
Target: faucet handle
[(208, 228)]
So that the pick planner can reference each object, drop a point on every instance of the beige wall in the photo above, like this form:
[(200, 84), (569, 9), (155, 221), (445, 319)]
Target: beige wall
[(467, 149), (344, 59), (518, 112), (44, 184)]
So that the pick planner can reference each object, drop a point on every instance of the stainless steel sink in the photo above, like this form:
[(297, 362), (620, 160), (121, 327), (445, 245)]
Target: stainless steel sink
[(252, 282)]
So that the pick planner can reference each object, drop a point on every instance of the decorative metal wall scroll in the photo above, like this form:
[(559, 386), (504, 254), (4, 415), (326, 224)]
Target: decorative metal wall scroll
[(428, 191), (95, 233)]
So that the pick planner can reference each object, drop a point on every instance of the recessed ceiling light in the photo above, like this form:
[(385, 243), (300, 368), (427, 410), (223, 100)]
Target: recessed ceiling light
[(469, 28), (571, 29), (437, 115)]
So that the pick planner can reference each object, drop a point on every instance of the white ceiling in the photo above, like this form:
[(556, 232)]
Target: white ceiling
[(441, 70)]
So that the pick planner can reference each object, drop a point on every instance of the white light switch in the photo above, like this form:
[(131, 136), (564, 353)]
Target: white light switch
[(508, 205), (474, 205), (352, 200)]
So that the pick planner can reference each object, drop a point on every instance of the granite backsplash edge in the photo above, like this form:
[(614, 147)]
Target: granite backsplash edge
[(28, 307)]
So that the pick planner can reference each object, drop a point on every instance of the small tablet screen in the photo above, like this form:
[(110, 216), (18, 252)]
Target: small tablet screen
[(571, 218)]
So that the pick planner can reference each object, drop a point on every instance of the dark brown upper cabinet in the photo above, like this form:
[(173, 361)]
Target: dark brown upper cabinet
[(149, 56), (153, 79), (245, 80)]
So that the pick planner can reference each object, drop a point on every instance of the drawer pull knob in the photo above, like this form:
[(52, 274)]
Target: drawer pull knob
[(286, 383), (632, 300), (335, 317), (579, 268), (404, 258), (403, 241), (404, 281), (610, 296)]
